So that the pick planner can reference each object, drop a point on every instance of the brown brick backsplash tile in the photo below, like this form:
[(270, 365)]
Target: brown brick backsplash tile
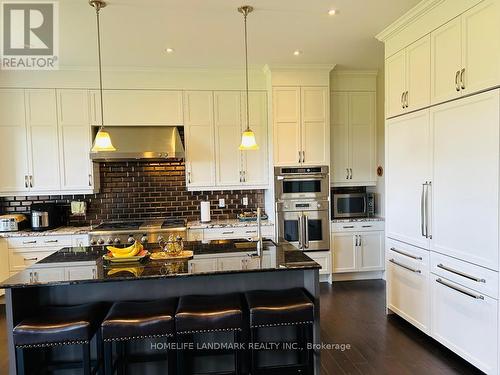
[(142, 190)]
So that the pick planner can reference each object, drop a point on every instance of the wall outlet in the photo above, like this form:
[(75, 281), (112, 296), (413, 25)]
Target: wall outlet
[(222, 203), (245, 201)]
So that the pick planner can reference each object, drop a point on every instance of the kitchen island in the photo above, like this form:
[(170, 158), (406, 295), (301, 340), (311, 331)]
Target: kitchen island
[(79, 275)]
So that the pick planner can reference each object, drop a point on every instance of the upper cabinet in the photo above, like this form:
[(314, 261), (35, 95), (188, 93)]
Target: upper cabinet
[(301, 126), (408, 78), (214, 122), (138, 107), (353, 133)]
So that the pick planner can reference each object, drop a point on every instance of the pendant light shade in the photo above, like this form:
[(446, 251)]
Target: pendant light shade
[(102, 141), (248, 141)]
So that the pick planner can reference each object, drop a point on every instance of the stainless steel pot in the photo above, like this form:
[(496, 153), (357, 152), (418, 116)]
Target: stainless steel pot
[(40, 220)]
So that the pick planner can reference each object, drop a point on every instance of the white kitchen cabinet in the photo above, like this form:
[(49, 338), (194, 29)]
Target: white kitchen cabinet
[(20, 259), (81, 272), (227, 233), (138, 107), (14, 150), (199, 138), (371, 251), (353, 138), (78, 173), (202, 265), (466, 53), (407, 277), (465, 181), (324, 259), (301, 126), (408, 167), (43, 142), (408, 78), (466, 322), (344, 249)]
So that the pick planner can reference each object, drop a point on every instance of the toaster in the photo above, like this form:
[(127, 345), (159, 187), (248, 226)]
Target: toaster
[(13, 223)]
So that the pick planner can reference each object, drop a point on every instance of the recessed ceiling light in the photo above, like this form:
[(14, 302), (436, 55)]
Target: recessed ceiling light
[(169, 50), (297, 53), (332, 12)]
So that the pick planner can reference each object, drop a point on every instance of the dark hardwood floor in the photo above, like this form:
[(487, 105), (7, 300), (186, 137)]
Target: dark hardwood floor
[(354, 313)]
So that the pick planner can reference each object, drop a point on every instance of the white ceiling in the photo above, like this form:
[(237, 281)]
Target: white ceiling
[(209, 33)]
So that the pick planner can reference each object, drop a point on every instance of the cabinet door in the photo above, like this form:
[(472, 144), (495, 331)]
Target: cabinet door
[(74, 138), (41, 116), (395, 84), (340, 137), (199, 138), (465, 181), (13, 133), (418, 74), (202, 265), (362, 137), (344, 252), (230, 263), (408, 293), (256, 163), (446, 58), (315, 126), (481, 46), (408, 150), (323, 258), (227, 106), (371, 251), (139, 107), (286, 108), (81, 273), (46, 275), (454, 306)]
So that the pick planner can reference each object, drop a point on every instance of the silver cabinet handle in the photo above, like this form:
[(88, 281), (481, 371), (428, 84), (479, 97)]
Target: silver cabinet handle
[(26, 181), (301, 240), (306, 231), (241, 177), (51, 241), (300, 157), (94, 273), (350, 173), (405, 254), (422, 211), (90, 179), (406, 100), (347, 173), (403, 100), (228, 232), (189, 177), (30, 259), (244, 176), (28, 242), (348, 226), (462, 79), (251, 231), (366, 226), (428, 234), (303, 156), (31, 277), (31, 181), (459, 273), (405, 267), (35, 274), (458, 289), (360, 240), (457, 87)]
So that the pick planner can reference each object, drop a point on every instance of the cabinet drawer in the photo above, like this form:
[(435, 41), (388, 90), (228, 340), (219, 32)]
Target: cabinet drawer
[(358, 226), (469, 275), (236, 233), (465, 322), (39, 241), (20, 260), (410, 255)]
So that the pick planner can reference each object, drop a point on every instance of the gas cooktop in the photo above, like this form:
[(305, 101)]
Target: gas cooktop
[(135, 225)]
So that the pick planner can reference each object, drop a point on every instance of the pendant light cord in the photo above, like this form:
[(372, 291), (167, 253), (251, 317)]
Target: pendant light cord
[(246, 70), (97, 9)]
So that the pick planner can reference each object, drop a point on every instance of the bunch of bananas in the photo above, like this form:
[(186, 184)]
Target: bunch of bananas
[(126, 252)]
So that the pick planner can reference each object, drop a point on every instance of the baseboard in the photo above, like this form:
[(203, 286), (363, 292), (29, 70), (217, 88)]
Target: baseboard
[(349, 276), (325, 278)]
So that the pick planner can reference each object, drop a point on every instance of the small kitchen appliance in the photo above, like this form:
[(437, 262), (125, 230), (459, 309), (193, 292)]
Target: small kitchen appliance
[(45, 216), (354, 203), (13, 222)]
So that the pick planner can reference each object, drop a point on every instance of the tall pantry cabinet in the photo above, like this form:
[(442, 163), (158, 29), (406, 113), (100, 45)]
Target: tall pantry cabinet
[(442, 180)]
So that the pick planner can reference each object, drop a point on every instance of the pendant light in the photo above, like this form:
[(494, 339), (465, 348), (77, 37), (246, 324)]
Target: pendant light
[(248, 141), (102, 141)]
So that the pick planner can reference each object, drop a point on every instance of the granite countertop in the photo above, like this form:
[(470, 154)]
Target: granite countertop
[(277, 257), (229, 223), (61, 231), (358, 220)]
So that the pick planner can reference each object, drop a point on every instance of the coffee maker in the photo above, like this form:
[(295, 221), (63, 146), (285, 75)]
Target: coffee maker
[(45, 216)]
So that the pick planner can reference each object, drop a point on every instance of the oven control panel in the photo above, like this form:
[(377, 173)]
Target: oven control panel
[(311, 205)]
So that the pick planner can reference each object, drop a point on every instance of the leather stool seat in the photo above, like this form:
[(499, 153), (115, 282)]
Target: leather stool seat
[(135, 320), (209, 313), (279, 307), (56, 325)]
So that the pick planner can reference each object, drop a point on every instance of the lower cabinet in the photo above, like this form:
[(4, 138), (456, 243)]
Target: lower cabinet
[(324, 259), (43, 273), (466, 322), (227, 262), (407, 275)]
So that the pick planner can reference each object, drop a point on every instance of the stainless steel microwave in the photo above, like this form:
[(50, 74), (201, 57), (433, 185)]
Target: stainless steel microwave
[(351, 205), (296, 183)]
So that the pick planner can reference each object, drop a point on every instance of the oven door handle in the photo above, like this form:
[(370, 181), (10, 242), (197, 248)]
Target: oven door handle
[(306, 232), (301, 239)]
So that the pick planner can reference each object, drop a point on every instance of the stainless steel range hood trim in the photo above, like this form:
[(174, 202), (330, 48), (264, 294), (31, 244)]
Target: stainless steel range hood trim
[(142, 143)]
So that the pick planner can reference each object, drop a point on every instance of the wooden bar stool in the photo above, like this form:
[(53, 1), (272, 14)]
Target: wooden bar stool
[(61, 325), (208, 314), (291, 307), (128, 321)]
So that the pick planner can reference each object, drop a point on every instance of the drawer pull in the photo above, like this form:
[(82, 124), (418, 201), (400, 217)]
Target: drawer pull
[(467, 276), (28, 242), (348, 226), (405, 254), (405, 267), (366, 226), (51, 241), (460, 290), (230, 232), (30, 259), (251, 231)]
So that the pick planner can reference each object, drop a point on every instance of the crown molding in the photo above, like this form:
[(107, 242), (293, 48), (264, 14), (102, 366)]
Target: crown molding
[(413, 14), (294, 67), (355, 72)]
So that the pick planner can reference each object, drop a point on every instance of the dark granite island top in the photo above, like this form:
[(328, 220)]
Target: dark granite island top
[(74, 276)]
